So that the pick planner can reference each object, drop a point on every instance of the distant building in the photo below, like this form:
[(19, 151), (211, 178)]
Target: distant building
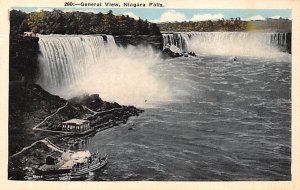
[(76, 125)]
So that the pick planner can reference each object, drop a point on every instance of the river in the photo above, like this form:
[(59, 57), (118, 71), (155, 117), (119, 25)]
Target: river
[(227, 121), (207, 118)]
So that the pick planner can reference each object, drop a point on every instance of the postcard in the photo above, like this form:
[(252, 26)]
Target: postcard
[(144, 94)]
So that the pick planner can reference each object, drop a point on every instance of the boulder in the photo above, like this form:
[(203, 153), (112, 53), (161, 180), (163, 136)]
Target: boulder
[(192, 53), (171, 53)]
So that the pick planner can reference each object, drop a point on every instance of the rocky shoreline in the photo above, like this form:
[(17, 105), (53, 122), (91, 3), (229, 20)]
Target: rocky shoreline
[(30, 104), (34, 113)]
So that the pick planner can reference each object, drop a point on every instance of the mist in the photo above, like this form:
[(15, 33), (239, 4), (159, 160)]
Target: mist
[(242, 44), (251, 44), (128, 77), (75, 65)]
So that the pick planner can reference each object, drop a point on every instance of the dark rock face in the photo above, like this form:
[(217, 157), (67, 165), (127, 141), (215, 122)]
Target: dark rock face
[(23, 58), (170, 53), (28, 105), (154, 41), (191, 53), (94, 102)]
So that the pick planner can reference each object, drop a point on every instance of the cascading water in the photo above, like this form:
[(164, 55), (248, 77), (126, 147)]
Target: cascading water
[(180, 40), (65, 59), (71, 65), (227, 43)]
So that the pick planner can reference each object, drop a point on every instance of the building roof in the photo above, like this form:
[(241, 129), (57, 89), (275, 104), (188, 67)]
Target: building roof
[(76, 121), (55, 154)]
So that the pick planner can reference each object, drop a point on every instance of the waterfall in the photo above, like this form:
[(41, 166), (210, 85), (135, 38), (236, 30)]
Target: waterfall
[(66, 58), (72, 65), (226, 43), (180, 40)]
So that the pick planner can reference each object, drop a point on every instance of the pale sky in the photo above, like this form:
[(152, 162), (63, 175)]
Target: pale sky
[(172, 15)]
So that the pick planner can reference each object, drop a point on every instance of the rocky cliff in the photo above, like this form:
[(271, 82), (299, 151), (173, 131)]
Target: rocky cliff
[(23, 58)]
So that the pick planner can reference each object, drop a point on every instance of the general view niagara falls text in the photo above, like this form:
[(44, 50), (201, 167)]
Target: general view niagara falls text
[(149, 94)]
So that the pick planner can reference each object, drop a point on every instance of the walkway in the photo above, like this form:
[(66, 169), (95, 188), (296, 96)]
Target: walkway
[(36, 127), (47, 142)]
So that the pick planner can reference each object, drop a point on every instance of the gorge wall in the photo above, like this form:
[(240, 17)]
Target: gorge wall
[(23, 58)]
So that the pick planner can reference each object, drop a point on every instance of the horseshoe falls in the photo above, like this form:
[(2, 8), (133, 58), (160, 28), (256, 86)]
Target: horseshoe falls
[(228, 43)]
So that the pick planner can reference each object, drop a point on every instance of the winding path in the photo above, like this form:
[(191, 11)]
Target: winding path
[(36, 126), (100, 112), (25, 148), (46, 140), (94, 112)]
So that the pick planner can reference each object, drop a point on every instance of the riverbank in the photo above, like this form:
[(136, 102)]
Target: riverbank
[(34, 113)]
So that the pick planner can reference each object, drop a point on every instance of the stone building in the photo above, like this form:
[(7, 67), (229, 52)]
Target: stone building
[(76, 125)]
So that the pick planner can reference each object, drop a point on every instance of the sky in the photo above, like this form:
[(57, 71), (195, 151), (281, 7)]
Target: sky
[(172, 15)]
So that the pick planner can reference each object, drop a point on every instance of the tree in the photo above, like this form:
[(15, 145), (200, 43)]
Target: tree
[(71, 24), (130, 24), (59, 22), (145, 27), (17, 24), (154, 30), (36, 20)]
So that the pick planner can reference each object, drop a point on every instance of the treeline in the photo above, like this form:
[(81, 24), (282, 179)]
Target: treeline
[(218, 25), (271, 25), (59, 22)]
